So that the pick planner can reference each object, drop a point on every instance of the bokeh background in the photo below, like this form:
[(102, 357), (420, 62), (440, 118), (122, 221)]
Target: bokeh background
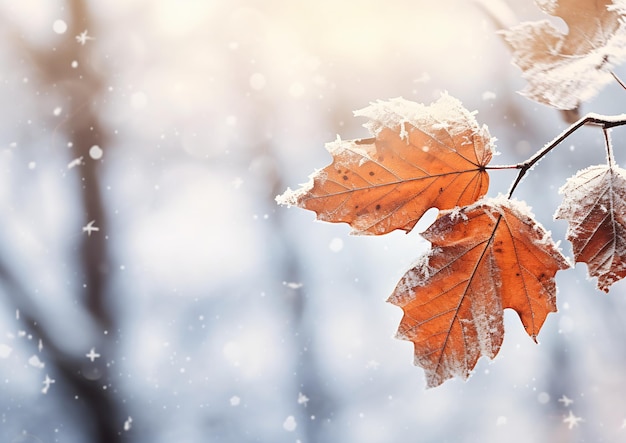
[(151, 290)]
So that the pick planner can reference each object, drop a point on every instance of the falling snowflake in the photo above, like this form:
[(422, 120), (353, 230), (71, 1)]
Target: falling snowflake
[(89, 228), (83, 37), (565, 400), (92, 355), (47, 382), (293, 284), (76, 162), (571, 420), (35, 362), (302, 399), (128, 424), (290, 424)]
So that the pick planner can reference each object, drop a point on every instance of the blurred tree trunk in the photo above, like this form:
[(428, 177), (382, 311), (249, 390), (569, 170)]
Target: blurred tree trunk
[(67, 73)]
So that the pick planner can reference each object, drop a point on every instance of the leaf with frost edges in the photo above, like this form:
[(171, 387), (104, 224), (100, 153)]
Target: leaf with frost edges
[(594, 205), (566, 69), (420, 157), (484, 258)]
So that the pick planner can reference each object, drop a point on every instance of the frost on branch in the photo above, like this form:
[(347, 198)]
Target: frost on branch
[(594, 205), (565, 69), (491, 256), (419, 157)]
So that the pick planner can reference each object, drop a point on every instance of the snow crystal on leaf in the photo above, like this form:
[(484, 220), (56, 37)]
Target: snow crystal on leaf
[(594, 206), (447, 113), (290, 197), (547, 6), (565, 69), (486, 257), (421, 157)]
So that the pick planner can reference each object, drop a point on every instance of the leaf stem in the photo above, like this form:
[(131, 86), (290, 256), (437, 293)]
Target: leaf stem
[(609, 147), (619, 80), (498, 167), (603, 121)]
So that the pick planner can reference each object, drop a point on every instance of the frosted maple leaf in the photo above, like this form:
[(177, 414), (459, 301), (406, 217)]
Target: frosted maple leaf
[(564, 69)]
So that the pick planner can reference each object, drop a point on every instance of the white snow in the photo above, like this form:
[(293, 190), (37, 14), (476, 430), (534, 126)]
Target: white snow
[(293, 284), (92, 355), (554, 76), (302, 399), (290, 424), (75, 162), (83, 37), (447, 114), (95, 152), (59, 26), (35, 362), (89, 228), (571, 420), (489, 95), (290, 197), (47, 382)]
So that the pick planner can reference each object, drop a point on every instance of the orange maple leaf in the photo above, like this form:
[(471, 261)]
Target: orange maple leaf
[(484, 258), (594, 205), (565, 69), (420, 157)]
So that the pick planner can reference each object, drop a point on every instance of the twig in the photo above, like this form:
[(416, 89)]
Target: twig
[(619, 80), (609, 147), (603, 121)]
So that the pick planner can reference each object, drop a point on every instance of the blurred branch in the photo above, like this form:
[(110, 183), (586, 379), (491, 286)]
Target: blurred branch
[(80, 87), (104, 414), (320, 402)]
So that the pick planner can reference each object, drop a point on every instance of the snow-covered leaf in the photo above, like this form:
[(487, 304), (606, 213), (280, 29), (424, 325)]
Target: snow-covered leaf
[(565, 69), (420, 157), (484, 258), (594, 204)]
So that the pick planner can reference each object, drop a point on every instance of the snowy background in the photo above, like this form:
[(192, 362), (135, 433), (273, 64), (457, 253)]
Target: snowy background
[(152, 290)]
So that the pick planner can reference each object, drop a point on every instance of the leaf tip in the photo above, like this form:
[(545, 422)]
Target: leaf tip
[(288, 198)]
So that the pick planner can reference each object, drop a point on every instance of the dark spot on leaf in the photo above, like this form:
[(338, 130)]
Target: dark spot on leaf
[(345, 177), (364, 141), (371, 173), (378, 207)]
